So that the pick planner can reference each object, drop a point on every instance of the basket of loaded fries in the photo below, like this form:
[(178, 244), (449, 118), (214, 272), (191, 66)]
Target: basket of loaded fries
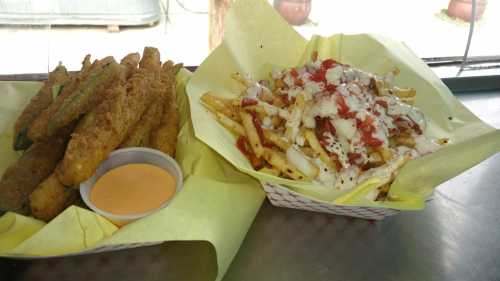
[(354, 125)]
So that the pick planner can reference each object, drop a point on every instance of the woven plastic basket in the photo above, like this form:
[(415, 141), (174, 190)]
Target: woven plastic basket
[(281, 196)]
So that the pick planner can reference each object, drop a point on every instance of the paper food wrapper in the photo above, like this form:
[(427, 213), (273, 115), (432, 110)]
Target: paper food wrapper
[(216, 205), (258, 39)]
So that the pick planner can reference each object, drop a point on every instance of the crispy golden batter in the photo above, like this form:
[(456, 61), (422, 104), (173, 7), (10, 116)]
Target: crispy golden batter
[(150, 59), (37, 104), (86, 64), (39, 127), (139, 135), (50, 198), (131, 61), (103, 129), (93, 138), (150, 64), (90, 93), (164, 136), (20, 179)]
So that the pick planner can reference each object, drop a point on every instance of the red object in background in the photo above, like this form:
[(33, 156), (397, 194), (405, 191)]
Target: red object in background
[(295, 12), (463, 9)]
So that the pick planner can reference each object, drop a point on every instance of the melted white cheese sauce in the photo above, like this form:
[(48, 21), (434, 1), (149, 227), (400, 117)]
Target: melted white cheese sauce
[(347, 178), (326, 176), (353, 86)]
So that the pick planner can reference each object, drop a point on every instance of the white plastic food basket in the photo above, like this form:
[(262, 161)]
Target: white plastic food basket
[(281, 196)]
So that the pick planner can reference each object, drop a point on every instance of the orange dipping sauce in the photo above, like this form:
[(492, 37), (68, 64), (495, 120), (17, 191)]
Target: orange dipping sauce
[(133, 189)]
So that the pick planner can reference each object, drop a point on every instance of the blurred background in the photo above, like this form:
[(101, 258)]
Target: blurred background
[(37, 34)]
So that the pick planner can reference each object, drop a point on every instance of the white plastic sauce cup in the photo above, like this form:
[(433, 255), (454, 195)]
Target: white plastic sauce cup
[(133, 155)]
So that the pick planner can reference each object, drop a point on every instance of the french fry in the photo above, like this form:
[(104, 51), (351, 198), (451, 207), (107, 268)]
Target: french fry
[(443, 141), (244, 147), (266, 96), (221, 105), (308, 151), (276, 121), (257, 108), (375, 159), (251, 133), (409, 100), (384, 153), (240, 78), (404, 139), (297, 159), (293, 123), (279, 83), (221, 117), (383, 192), (278, 101), (276, 140), (278, 161), (316, 146), (404, 92), (230, 124), (406, 95), (380, 87), (270, 171), (257, 163)]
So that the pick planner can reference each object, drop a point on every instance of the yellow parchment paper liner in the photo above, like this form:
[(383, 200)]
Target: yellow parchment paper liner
[(216, 205), (257, 39)]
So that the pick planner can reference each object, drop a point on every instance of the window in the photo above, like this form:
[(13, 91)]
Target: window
[(37, 37)]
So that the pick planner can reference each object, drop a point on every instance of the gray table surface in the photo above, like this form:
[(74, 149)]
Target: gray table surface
[(457, 237)]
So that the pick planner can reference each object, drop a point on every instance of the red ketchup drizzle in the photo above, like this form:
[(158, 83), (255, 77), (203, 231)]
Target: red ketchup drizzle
[(323, 126), (243, 145), (367, 129), (353, 157), (248, 102), (328, 63), (260, 132), (330, 88), (382, 103), (344, 110)]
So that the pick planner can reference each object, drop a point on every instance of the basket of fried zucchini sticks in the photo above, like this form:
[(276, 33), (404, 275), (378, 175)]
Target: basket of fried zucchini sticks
[(77, 118)]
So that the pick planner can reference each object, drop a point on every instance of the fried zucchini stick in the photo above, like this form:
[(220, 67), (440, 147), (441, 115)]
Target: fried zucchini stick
[(37, 104), (39, 127), (101, 130), (50, 198), (90, 93), (20, 179), (138, 135), (150, 59), (130, 61), (164, 137), (86, 64)]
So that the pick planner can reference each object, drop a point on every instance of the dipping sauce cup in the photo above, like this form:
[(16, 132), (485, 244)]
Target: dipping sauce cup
[(132, 183)]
